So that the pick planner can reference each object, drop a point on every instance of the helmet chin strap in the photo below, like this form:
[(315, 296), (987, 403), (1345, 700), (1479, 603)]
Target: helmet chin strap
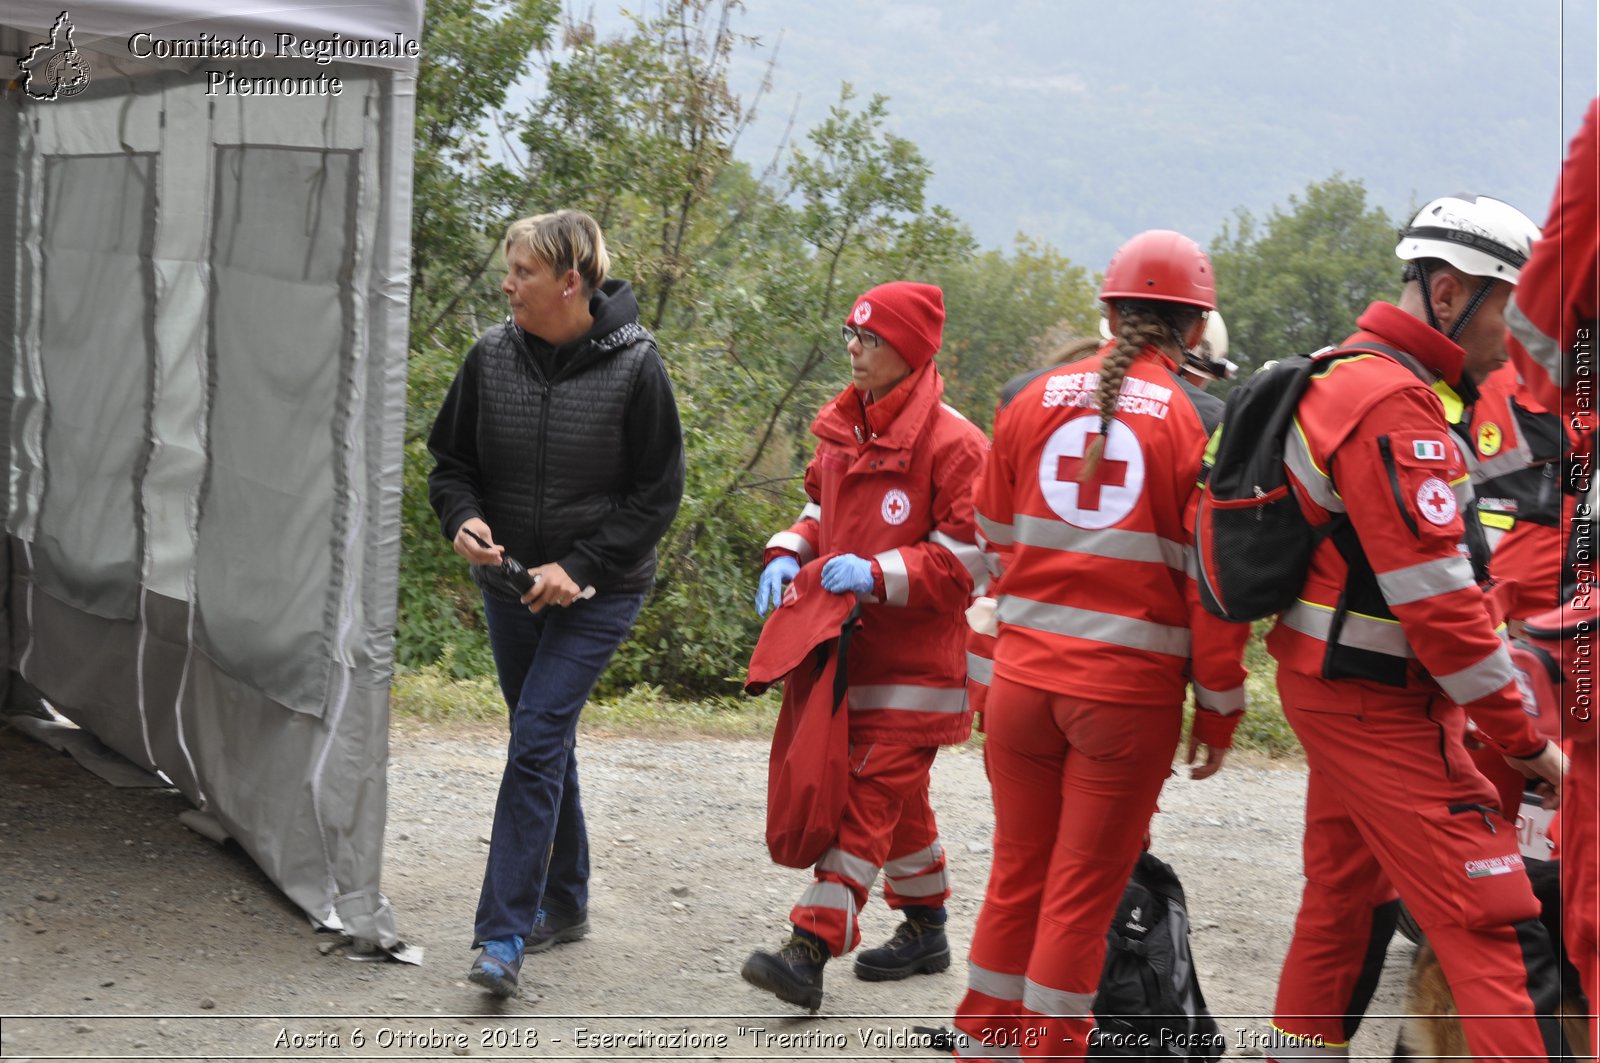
[(1419, 272)]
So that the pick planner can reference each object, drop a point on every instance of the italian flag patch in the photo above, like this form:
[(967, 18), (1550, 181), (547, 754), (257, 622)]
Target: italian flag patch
[(1494, 865)]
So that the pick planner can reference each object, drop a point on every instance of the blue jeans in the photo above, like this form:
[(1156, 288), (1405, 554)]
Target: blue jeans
[(548, 664)]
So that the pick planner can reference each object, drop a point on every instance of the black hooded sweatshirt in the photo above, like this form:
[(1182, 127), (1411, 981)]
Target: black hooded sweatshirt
[(571, 454)]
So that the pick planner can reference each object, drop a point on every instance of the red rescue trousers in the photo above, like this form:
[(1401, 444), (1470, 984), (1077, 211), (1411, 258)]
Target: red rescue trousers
[(1075, 783), (887, 826), (1394, 795), (1580, 871)]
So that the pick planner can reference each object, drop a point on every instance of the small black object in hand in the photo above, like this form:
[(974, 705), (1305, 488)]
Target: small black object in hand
[(510, 567)]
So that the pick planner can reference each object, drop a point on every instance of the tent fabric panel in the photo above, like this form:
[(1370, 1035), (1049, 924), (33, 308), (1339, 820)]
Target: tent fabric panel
[(99, 226), (269, 555), (306, 801)]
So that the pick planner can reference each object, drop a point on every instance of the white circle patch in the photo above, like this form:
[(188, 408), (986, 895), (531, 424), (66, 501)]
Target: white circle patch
[(1435, 501), (896, 506), (1115, 487), (863, 311)]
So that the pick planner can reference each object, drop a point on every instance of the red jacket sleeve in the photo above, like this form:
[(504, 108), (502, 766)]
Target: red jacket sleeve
[(1409, 525), (800, 540), (1216, 667), (940, 571)]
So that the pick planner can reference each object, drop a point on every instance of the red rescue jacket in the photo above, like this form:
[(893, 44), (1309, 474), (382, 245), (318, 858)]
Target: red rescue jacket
[(1096, 593), (892, 481), (1371, 432)]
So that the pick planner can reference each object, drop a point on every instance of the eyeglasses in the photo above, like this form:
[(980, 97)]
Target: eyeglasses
[(869, 340)]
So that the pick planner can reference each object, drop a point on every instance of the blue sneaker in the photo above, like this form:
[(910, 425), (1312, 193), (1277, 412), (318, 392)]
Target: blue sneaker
[(498, 966)]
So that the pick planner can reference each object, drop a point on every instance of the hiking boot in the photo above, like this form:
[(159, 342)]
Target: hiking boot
[(552, 928), (793, 974), (498, 966), (916, 948)]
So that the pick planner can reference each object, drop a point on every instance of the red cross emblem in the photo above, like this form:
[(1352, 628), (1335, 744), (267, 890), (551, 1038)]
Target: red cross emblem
[(896, 506), (1435, 501), (1111, 473)]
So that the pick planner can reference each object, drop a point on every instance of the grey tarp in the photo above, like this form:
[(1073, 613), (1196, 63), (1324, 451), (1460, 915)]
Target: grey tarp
[(203, 323)]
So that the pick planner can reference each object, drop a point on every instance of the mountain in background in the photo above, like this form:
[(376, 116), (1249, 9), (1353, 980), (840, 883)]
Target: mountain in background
[(1081, 123)]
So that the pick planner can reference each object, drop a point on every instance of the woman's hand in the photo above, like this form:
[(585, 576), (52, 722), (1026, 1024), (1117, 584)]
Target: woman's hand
[(1215, 755), (551, 586), (475, 542)]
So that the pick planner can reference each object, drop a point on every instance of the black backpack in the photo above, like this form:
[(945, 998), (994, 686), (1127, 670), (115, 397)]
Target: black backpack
[(1149, 1003), (1252, 543)]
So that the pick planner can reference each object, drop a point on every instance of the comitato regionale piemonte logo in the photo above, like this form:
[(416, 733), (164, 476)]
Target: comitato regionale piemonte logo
[(55, 69)]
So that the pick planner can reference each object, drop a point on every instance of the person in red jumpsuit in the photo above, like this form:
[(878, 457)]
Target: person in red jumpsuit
[(890, 490), (1552, 340), (1088, 497), (1391, 645)]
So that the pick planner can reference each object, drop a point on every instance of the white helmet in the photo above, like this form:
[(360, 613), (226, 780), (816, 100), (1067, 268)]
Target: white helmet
[(1210, 358), (1478, 235)]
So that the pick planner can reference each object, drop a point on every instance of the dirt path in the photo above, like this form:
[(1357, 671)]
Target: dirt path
[(125, 936)]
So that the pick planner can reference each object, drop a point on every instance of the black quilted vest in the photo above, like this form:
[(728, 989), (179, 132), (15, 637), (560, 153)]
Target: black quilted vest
[(551, 449)]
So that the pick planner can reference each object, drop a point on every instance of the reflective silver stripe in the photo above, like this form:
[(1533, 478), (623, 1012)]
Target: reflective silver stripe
[(795, 544), (1056, 1003), (995, 532), (1104, 542), (909, 698), (967, 1048), (1544, 349), (1492, 537), (1416, 582), (1227, 702), (1297, 455), (1094, 625), (896, 579), (1286, 1045), (854, 868), (923, 885), (811, 512), (1479, 680), (912, 863), (968, 554), (1360, 632), (1466, 494), (835, 895), (994, 983), (980, 669), (1513, 460)]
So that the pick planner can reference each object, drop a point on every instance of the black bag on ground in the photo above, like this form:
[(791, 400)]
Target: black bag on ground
[(1149, 1003), (1253, 544)]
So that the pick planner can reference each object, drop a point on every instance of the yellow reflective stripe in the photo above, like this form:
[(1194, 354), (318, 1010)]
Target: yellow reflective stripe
[(1491, 519), (1453, 406)]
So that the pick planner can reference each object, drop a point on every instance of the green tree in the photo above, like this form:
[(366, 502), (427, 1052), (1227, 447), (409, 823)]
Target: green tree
[(1298, 281)]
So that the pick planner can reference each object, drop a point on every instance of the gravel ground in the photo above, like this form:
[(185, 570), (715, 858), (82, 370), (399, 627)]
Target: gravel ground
[(125, 936)]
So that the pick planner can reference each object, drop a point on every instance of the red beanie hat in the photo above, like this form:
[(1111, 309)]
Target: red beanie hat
[(909, 316)]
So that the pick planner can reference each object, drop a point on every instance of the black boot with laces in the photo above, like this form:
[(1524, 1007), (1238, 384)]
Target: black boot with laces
[(917, 947), (793, 974)]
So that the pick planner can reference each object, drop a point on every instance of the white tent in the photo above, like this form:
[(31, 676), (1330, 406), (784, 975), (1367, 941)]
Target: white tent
[(203, 300)]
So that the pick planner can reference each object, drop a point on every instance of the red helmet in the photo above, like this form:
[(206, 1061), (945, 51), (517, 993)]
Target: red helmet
[(1162, 265)]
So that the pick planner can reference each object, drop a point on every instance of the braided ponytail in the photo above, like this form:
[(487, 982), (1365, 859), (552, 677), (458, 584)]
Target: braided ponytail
[(1139, 327)]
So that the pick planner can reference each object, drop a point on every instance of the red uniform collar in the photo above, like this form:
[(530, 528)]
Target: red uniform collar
[(893, 422), (1387, 323)]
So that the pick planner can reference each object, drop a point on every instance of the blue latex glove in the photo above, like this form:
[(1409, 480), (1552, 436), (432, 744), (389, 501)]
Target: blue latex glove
[(779, 570), (847, 573)]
